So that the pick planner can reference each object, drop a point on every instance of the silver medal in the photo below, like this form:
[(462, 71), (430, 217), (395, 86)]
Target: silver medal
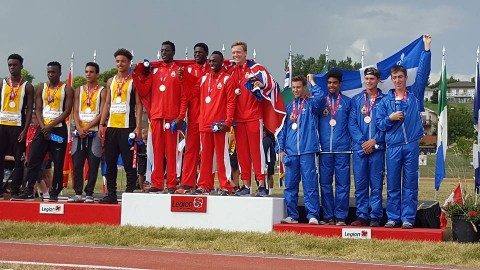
[(12, 104), (294, 126), (332, 122), (208, 99), (163, 87), (88, 110)]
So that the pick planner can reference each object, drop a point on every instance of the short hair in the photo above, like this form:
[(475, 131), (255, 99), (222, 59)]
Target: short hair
[(240, 43), (168, 42), (217, 53), (16, 56), (55, 64), (398, 68), (201, 45), (335, 73), (93, 64), (372, 71), (123, 52), (300, 78)]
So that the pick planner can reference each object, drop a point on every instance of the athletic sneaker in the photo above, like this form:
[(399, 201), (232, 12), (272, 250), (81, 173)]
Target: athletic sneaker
[(289, 220), (261, 192), (109, 199), (374, 223), (45, 196), (340, 222), (75, 199), (391, 224), (325, 221), (243, 191), (89, 199), (155, 190), (201, 191), (313, 221), (53, 198), (23, 197), (407, 225), (183, 190), (360, 222), (171, 190)]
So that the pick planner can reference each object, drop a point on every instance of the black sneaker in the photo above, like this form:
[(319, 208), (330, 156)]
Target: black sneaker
[(109, 199), (23, 197), (171, 190), (154, 190), (53, 198), (225, 192)]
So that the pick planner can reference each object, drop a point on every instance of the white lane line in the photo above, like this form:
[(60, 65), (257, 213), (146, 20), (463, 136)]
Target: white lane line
[(87, 266), (410, 266)]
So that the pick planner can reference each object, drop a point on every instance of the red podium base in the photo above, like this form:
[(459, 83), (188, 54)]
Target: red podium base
[(418, 234), (67, 213)]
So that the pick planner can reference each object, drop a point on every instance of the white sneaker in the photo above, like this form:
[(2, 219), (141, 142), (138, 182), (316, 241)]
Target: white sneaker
[(75, 199), (89, 199), (313, 221), (289, 220), (45, 196)]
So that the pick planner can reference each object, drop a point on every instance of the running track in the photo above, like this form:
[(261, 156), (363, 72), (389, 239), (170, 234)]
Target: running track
[(66, 256)]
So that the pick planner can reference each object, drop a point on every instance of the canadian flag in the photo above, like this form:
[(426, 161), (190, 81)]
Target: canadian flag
[(455, 197)]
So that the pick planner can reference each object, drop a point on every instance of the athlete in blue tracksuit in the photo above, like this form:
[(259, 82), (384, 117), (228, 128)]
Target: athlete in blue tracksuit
[(368, 145), (399, 117), (298, 145), (335, 149)]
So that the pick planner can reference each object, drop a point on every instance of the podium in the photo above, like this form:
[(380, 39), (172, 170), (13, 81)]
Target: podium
[(228, 213)]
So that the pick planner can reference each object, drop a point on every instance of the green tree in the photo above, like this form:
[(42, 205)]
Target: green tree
[(27, 76), (449, 80), (104, 76), (434, 97), (304, 66), (463, 147), (78, 81), (459, 123)]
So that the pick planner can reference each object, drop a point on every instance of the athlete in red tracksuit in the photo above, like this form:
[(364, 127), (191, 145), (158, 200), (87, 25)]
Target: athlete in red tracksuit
[(191, 74), (168, 103), (217, 107), (248, 118)]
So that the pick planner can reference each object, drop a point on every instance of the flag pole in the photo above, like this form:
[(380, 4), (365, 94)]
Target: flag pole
[(223, 49), (363, 53), (290, 66), (158, 55), (254, 54), (326, 55), (477, 127), (95, 56), (186, 53)]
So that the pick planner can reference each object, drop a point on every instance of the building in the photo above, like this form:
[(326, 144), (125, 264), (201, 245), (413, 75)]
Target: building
[(460, 92), (428, 93), (429, 121)]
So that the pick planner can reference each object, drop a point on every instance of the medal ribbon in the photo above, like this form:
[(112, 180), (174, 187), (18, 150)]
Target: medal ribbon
[(14, 90), (368, 106), (337, 103), (216, 82), (121, 84), (296, 113), (90, 94), (163, 78), (404, 97), (51, 98)]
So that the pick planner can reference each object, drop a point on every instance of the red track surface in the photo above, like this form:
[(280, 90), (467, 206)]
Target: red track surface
[(100, 257)]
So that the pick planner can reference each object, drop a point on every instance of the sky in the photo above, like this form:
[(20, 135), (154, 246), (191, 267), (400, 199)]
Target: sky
[(50, 30)]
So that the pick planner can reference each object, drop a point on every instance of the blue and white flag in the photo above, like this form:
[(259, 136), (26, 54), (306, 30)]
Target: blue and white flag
[(352, 81), (442, 129)]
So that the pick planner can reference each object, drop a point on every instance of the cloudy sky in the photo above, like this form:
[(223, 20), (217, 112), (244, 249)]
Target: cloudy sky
[(43, 31)]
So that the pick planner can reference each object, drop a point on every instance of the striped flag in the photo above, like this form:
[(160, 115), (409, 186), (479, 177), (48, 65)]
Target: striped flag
[(476, 114), (442, 129), (67, 163)]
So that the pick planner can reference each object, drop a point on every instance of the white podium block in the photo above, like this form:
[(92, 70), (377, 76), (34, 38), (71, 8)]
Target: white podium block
[(228, 213)]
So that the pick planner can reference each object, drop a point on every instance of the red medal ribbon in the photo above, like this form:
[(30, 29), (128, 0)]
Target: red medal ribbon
[(90, 94), (368, 106), (216, 82), (404, 97), (14, 90), (51, 98), (121, 84), (337, 103), (295, 112)]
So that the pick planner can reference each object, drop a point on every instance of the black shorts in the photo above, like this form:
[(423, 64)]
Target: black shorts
[(271, 168), (142, 165), (234, 161)]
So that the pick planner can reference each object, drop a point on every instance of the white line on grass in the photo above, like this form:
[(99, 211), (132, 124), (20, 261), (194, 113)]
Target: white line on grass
[(87, 266)]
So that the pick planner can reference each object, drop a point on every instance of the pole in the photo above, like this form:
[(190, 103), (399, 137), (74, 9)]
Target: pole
[(95, 56), (363, 53)]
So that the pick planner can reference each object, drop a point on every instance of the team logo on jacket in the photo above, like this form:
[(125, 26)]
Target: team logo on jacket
[(247, 75), (364, 110), (219, 85), (325, 112), (172, 74)]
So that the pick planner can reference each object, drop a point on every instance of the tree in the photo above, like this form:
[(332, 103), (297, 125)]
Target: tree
[(449, 80), (463, 147), (434, 97), (459, 123), (78, 81), (104, 76), (304, 66), (27, 76)]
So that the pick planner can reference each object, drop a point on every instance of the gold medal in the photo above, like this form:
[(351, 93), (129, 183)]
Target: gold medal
[(11, 104), (238, 92), (88, 110), (367, 119), (208, 99), (46, 108), (162, 88), (118, 100), (332, 122), (294, 126)]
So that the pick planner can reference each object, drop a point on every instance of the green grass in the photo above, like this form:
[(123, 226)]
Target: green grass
[(434, 107), (446, 253)]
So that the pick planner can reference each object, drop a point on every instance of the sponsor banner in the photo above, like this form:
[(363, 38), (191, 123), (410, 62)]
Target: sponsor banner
[(196, 204), (52, 208), (360, 233)]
